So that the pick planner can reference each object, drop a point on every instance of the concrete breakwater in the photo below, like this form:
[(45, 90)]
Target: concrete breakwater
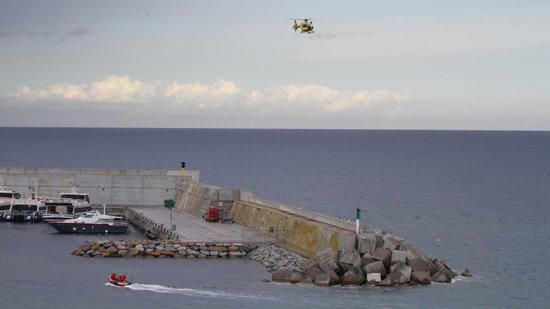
[(379, 259), (161, 249)]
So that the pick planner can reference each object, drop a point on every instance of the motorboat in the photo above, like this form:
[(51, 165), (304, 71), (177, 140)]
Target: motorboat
[(24, 210), (118, 282), (67, 206), (92, 222)]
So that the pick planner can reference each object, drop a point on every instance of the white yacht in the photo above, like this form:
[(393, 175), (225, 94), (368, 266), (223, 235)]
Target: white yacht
[(5, 199), (67, 206), (92, 222)]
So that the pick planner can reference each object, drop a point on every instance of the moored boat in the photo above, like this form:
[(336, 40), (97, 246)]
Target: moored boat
[(24, 210), (92, 222), (67, 206), (6, 197)]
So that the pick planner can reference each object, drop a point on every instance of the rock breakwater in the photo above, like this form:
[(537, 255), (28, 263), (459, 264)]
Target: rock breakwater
[(162, 249), (275, 258)]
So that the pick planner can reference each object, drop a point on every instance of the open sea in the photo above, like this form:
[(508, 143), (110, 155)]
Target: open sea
[(474, 199)]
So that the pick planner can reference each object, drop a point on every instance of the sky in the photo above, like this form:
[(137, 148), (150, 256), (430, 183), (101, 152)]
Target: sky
[(450, 65)]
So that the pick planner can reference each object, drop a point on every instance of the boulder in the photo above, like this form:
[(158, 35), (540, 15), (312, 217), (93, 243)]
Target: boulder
[(398, 256), (306, 281), (326, 279), (296, 276), (367, 259), (309, 263), (111, 250), (432, 268), (312, 271), (401, 273), (366, 243), (327, 261), (322, 280), (236, 254), (418, 264), (217, 248), (390, 242), (192, 252), (375, 267), (383, 255), (441, 277), (155, 253), (353, 278), (349, 260), (168, 252), (386, 282), (105, 253), (441, 266), (421, 277), (281, 276), (374, 278), (465, 273)]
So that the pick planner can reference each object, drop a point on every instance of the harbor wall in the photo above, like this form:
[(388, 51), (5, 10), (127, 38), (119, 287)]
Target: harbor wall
[(296, 233), (116, 187), (296, 229), (195, 197)]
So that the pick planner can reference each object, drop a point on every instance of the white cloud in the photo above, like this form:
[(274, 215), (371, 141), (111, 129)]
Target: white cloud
[(112, 89), (309, 99), (316, 98)]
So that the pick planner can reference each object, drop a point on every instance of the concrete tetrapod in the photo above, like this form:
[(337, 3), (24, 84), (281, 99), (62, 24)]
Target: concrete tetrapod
[(374, 278), (384, 255), (401, 273), (465, 273), (326, 279), (398, 256), (441, 277), (367, 242), (375, 267), (418, 264), (281, 276), (353, 277), (327, 261), (421, 277), (367, 259), (349, 260)]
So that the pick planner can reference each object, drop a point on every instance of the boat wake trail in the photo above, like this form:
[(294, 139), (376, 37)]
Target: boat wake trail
[(186, 291)]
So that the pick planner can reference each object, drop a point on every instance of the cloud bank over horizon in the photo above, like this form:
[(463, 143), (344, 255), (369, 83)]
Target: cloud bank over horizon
[(304, 100)]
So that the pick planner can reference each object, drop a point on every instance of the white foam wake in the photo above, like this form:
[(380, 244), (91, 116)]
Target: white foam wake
[(185, 291)]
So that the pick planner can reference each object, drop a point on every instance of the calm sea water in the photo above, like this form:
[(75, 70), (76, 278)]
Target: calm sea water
[(476, 199)]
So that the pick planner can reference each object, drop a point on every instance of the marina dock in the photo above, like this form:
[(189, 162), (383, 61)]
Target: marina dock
[(191, 228)]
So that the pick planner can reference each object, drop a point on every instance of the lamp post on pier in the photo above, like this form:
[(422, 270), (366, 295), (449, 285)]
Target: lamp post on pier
[(357, 220)]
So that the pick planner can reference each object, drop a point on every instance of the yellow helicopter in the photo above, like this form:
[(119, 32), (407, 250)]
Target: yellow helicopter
[(306, 26)]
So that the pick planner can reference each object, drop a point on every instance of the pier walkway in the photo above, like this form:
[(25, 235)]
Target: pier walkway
[(194, 229)]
